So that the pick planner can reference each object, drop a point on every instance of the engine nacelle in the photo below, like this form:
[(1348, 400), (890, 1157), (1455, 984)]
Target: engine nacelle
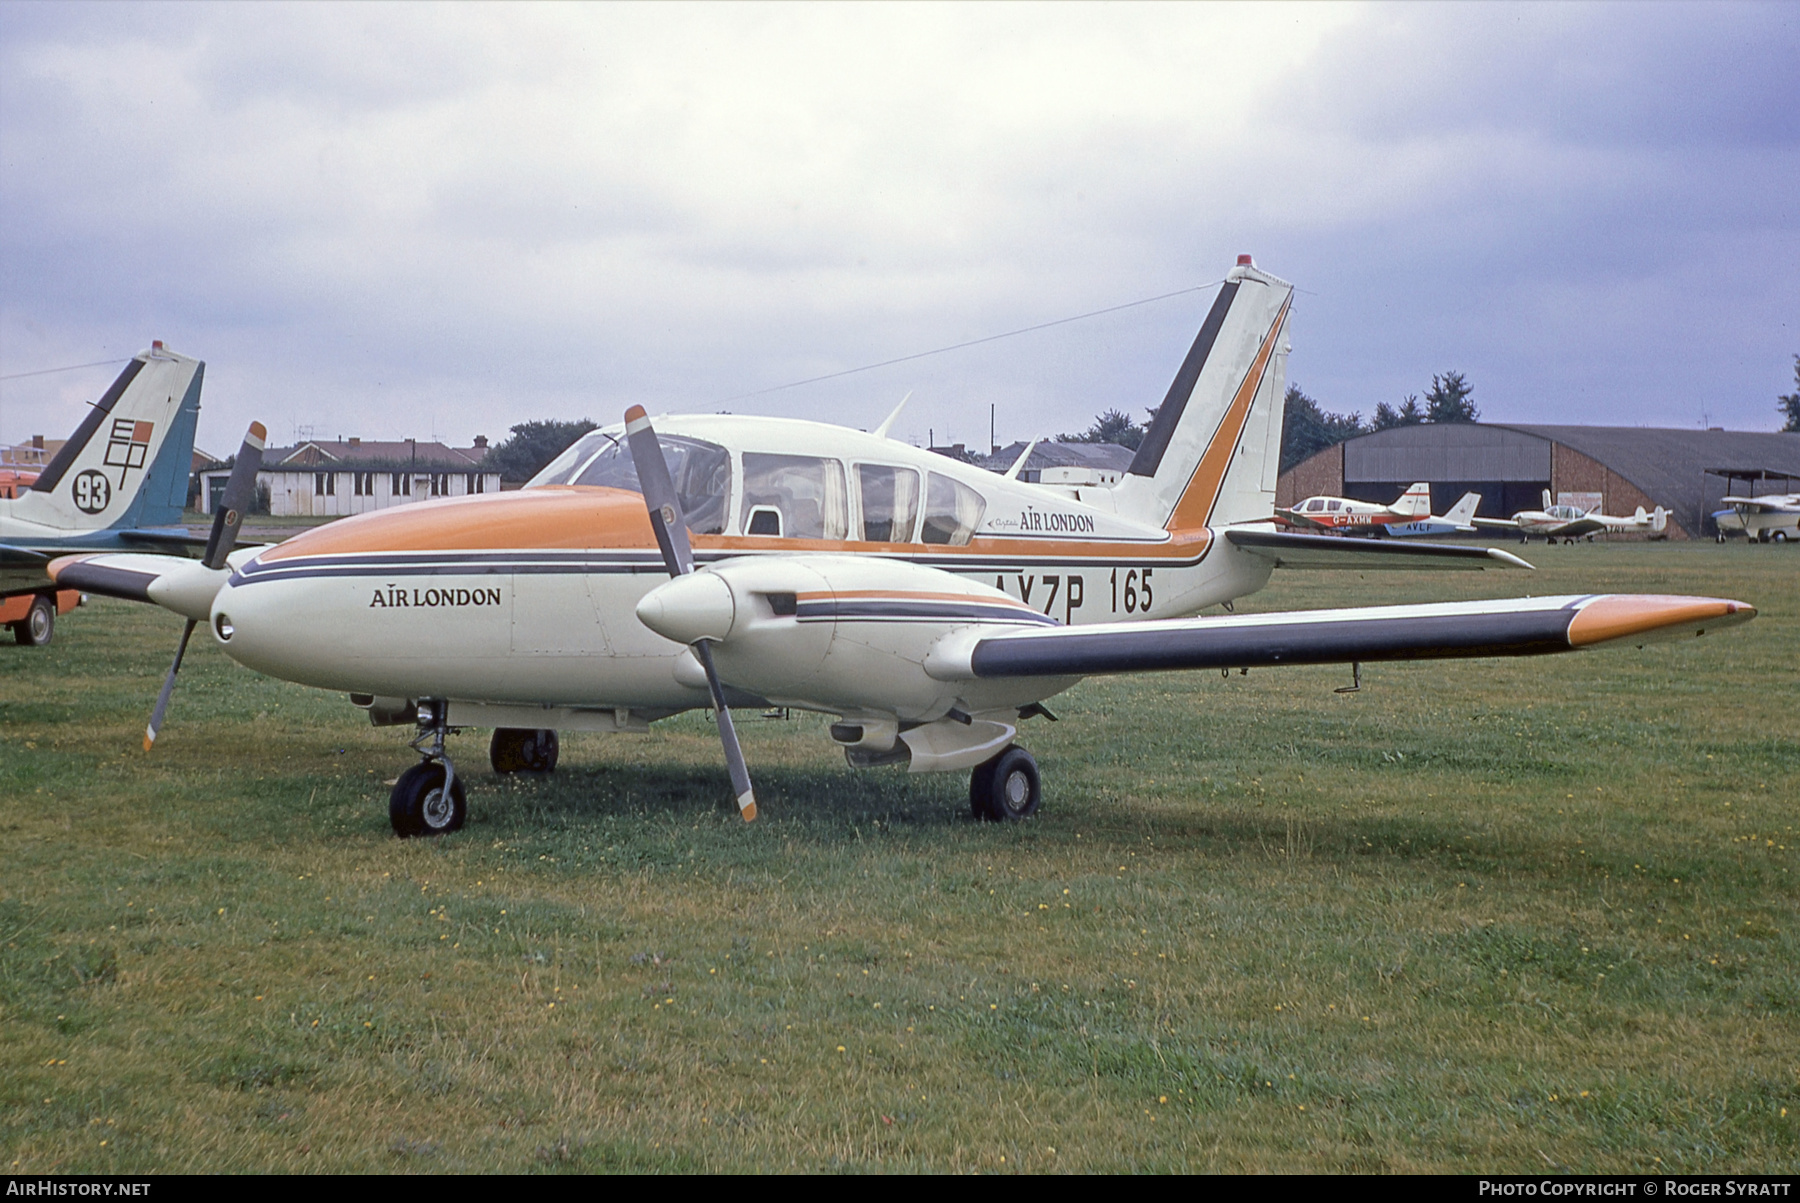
[(846, 635)]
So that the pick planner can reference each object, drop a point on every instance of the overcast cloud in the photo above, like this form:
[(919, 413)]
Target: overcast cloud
[(408, 220)]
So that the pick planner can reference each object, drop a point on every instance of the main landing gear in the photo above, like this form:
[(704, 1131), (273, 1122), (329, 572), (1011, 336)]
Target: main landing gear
[(39, 623), (429, 799), (1006, 787)]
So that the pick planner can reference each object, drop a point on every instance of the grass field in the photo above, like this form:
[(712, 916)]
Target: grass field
[(1525, 916)]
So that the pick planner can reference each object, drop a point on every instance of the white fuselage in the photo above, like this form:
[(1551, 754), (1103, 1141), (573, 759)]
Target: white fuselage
[(530, 597)]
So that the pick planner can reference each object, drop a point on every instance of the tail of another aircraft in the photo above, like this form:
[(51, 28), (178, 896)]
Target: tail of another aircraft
[(1211, 456), (1463, 513), (127, 464), (1415, 502)]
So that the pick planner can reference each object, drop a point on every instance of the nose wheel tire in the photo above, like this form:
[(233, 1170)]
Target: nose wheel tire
[(1006, 787), (516, 750), (420, 805), (39, 623)]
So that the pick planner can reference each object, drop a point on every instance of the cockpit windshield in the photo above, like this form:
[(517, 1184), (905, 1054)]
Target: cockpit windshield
[(701, 471)]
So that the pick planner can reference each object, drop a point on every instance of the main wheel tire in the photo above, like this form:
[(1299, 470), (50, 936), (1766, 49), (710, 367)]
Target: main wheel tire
[(1781, 536), (518, 750), (1006, 787), (419, 804), (39, 624)]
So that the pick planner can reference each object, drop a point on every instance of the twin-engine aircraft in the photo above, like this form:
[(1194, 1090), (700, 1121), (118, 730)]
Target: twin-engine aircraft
[(120, 482), (929, 606), (1571, 522)]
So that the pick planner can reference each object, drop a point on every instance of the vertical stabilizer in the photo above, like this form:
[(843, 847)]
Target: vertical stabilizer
[(127, 464), (1415, 502), (1463, 512), (1212, 455)]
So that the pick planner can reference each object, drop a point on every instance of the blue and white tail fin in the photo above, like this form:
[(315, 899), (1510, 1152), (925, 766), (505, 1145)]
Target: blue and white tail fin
[(1211, 456), (127, 464)]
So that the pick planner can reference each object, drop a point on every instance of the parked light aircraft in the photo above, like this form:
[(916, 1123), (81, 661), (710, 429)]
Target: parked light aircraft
[(929, 606), (1459, 521), (1769, 517), (120, 482), (1571, 522), (1349, 514)]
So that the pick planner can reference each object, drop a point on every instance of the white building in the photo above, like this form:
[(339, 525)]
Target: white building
[(329, 479)]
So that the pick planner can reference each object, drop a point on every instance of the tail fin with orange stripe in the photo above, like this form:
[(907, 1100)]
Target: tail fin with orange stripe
[(1211, 456)]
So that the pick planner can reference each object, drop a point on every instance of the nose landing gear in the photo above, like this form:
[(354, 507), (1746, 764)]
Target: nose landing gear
[(428, 799)]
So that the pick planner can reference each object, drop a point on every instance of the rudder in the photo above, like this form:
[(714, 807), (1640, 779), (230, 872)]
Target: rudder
[(1213, 452)]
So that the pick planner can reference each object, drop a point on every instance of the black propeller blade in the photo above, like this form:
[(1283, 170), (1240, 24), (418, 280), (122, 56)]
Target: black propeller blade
[(239, 491), (670, 525)]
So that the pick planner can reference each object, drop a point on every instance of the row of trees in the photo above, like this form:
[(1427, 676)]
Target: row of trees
[(1308, 429), (1790, 402)]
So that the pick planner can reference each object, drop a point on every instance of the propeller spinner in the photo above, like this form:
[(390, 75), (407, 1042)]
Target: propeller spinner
[(670, 525), (230, 516)]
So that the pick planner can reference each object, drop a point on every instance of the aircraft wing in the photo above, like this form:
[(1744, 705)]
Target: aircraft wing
[(20, 555), (175, 539), (1452, 630), (1329, 551)]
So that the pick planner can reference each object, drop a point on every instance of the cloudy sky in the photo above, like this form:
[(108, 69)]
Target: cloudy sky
[(420, 220)]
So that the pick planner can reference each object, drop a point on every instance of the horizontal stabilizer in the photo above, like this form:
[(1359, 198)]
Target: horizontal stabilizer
[(1452, 630), (164, 537), (20, 555), (1330, 551)]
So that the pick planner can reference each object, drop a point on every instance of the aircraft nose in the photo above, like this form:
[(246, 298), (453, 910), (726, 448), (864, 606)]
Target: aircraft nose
[(689, 608)]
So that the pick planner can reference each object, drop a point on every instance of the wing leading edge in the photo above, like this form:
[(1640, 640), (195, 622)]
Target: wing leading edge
[(1452, 630)]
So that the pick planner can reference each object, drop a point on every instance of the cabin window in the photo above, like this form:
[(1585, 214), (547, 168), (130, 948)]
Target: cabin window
[(1314, 506), (701, 472), (952, 511), (1333, 506), (890, 502), (804, 492)]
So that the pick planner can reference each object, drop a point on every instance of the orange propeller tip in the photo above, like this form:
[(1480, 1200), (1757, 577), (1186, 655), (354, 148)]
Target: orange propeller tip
[(259, 430), (148, 740), (749, 812), (634, 413)]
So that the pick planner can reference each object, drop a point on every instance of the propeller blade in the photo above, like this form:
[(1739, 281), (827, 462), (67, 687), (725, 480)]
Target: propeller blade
[(664, 503), (162, 700), (734, 755), (240, 490)]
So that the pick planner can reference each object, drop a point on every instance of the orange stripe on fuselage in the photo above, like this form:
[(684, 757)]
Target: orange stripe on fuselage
[(1202, 494), (1629, 614), (581, 517)]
